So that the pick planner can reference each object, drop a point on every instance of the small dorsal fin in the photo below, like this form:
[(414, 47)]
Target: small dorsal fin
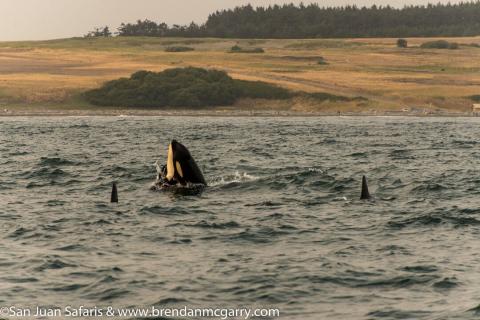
[(114, 196), (365, 194)]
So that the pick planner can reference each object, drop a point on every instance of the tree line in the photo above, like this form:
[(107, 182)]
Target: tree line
[(313, 21)]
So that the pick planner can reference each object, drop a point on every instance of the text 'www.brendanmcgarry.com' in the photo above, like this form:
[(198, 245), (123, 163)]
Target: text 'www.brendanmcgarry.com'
[(146, 312)]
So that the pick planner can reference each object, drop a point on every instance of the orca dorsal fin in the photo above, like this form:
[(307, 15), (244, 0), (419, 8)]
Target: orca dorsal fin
[(114, 196), (365, 194)]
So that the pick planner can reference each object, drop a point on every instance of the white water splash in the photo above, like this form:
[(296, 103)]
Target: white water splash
[(158, 168), (236, 177)]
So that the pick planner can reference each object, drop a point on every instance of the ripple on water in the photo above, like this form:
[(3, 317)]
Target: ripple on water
[(213, 225), (390, 313), (446, 284), (53, 263), (443, 217)]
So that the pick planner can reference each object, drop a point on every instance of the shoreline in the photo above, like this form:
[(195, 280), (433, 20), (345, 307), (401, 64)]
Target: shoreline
[(216, 113)]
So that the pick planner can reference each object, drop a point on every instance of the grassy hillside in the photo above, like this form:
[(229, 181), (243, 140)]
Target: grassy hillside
[(53, 73)]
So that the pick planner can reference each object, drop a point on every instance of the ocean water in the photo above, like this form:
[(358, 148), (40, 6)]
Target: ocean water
[(281, 224)]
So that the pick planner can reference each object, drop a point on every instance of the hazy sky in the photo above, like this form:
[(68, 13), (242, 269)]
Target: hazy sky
[(49, 19)]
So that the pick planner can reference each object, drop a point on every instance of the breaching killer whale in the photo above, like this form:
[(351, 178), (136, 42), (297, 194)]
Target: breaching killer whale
[(181, 170)]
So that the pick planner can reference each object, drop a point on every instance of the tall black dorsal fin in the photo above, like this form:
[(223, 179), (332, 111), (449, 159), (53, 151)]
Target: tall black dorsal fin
[(365, 194), (114, 197)]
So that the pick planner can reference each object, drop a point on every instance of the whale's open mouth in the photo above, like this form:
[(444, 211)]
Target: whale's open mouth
[(180, 169)]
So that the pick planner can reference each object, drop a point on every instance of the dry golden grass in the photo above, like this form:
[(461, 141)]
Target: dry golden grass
[(55, 72)]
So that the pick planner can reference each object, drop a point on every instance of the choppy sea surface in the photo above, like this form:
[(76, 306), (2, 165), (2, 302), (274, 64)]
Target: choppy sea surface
[(281, 224)]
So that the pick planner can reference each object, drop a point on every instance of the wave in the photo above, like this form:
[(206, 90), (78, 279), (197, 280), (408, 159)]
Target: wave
[(445, 217), (446, 284), (54, 263), (214, 225), (261, 235), (44, 173), (353, 279), (390, 313), (55, 162), (109, 294), (79, 126)]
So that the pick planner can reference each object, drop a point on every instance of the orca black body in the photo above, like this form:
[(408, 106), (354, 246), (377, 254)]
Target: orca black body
[(181, 170), (181, 166), (114, 196), (365, 194)]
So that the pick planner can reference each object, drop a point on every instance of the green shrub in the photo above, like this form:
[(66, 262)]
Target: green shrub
[(181, 87), (475, 98), (402, 43), (321, 61), (439, 44), (237, 49), (178, 49)]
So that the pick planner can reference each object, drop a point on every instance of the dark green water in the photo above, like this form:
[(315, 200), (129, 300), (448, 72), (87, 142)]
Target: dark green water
[(280, 225)]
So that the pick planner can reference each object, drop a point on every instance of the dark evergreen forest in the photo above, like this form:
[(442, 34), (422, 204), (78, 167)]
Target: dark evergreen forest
[(313, 21)]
